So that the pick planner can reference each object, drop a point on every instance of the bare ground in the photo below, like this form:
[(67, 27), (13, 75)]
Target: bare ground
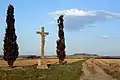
[(95, 69), (28, 62)]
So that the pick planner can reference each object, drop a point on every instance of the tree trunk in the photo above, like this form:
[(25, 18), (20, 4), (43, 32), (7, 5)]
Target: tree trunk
[(61, 61), (10, 63)]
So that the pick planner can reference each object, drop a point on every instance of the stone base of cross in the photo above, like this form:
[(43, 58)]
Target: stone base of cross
[(42, 64)]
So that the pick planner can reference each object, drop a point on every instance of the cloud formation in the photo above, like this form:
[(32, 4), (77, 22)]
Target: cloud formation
[(75, 19), (105, 37)]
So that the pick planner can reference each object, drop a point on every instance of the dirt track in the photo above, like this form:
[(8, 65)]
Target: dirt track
[(94, 69)]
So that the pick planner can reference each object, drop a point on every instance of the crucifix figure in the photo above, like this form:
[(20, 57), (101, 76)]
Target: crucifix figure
[(43, 34)]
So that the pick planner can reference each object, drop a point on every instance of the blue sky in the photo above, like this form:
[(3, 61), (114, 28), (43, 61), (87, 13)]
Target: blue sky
[(91, 26)]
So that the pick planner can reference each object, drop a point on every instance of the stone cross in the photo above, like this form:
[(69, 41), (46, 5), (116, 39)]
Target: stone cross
[(43, 34)]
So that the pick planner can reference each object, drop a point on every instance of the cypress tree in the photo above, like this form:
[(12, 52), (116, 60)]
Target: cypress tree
[(61, 41), (10, 45)]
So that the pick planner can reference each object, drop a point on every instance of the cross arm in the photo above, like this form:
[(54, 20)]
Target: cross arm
[(46, 33), (38, 32)]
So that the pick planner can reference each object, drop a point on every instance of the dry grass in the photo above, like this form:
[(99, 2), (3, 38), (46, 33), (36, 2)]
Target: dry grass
[(27, 62), (70, 71), (101, 69)]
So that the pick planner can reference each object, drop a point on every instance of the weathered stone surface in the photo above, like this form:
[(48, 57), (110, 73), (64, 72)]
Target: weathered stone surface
[(43, 34), (42, 64)]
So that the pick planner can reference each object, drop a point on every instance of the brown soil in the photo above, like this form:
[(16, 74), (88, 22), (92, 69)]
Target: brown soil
[(28, 62), (95, 69)]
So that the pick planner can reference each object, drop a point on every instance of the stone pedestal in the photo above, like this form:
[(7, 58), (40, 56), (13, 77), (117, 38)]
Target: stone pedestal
[(42, 64)]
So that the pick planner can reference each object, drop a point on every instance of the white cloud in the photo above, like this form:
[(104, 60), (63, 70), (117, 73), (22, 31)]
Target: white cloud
[(106, 37), (75, 19), (51, 22)]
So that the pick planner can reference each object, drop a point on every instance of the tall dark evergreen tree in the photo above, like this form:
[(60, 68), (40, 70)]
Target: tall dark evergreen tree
[(61, 41), (10, 45)]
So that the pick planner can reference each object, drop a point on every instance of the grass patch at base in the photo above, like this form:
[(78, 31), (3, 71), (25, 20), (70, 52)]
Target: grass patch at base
[(71, 71)]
